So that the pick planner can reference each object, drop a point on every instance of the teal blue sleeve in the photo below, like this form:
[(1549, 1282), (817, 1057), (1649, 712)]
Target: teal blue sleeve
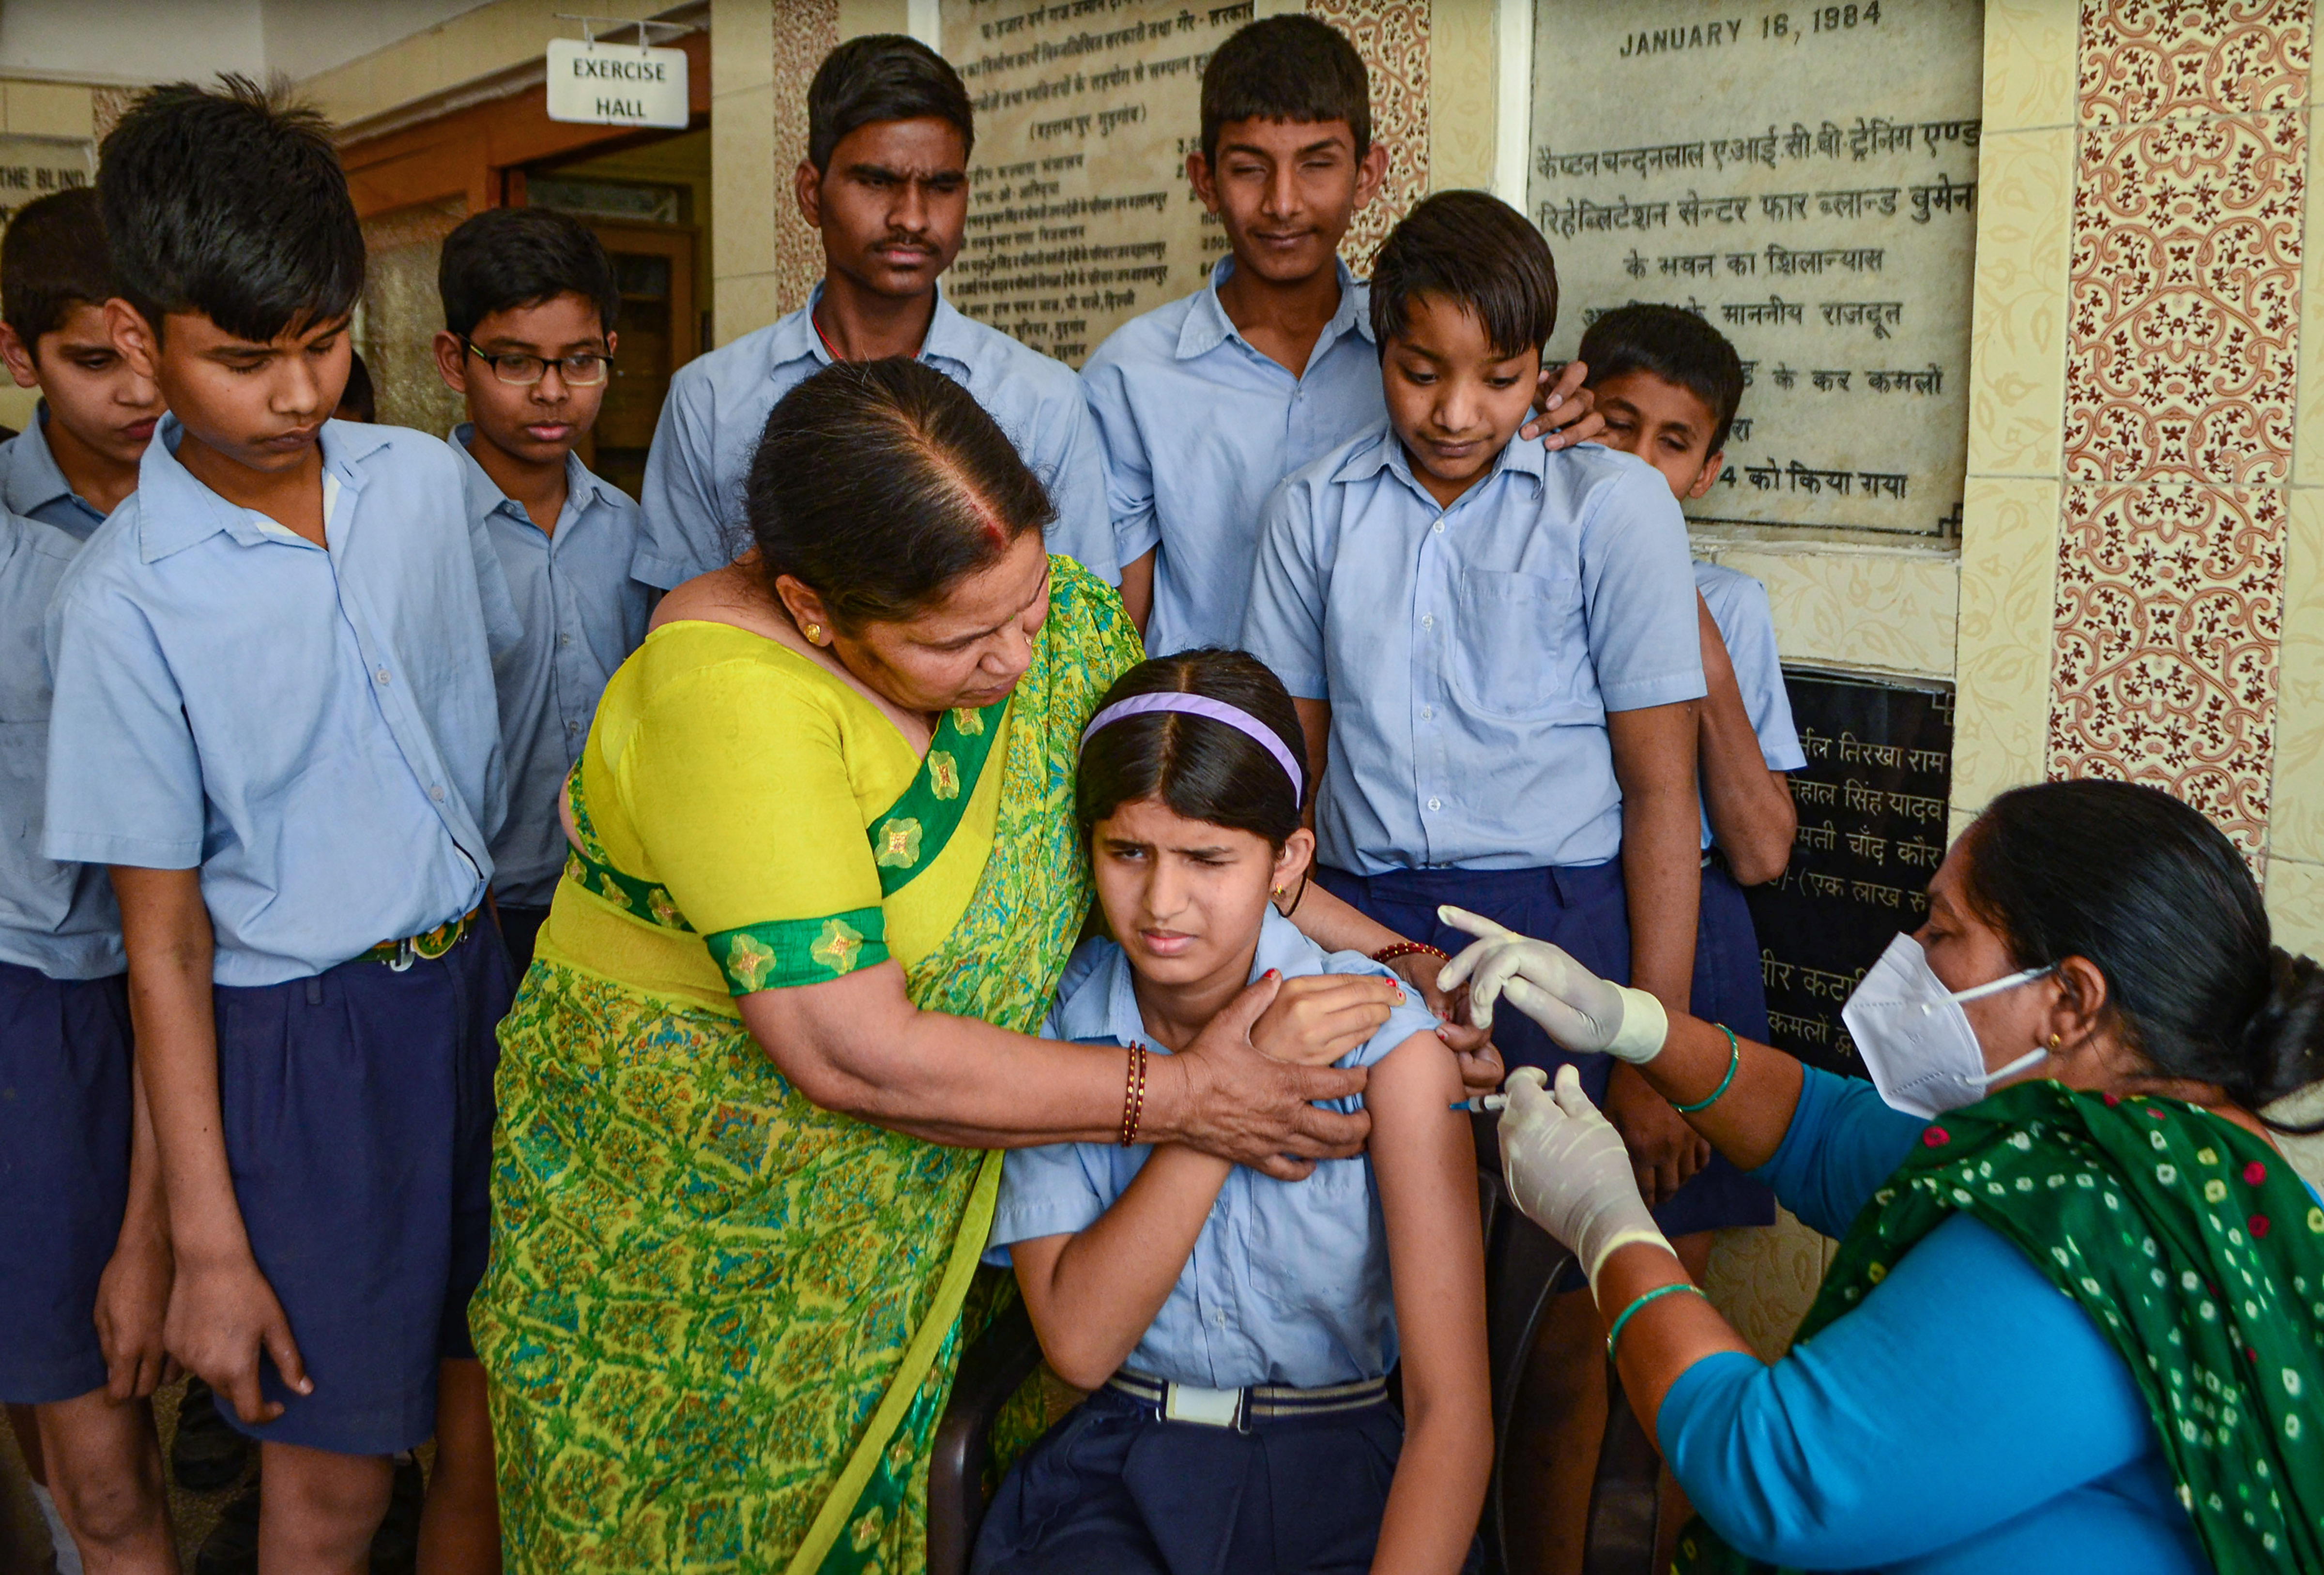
[(1965, 1392), (1842, 1143)]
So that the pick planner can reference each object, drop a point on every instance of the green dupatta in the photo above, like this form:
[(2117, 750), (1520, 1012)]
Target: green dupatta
[(721, 1324), (2192, 1245)]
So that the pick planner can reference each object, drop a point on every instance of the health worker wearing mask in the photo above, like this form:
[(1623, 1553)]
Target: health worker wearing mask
[(2067, 1061)]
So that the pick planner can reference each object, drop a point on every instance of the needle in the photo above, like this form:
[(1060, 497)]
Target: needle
[(1480, 1106)]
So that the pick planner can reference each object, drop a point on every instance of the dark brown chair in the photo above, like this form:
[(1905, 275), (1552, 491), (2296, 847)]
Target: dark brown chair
[(1522, 1267)]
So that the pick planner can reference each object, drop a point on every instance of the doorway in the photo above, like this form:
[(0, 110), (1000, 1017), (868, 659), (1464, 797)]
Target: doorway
[(649, 205)]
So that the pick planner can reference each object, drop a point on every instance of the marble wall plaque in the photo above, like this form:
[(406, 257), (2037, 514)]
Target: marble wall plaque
[(1805, 178), (32, 168), (1080, 215)]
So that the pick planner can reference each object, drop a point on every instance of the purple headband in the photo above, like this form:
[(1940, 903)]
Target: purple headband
[(1241, 721)]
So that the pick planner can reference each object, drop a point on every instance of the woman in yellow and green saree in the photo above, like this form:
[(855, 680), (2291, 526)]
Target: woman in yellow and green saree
[(824, 875)]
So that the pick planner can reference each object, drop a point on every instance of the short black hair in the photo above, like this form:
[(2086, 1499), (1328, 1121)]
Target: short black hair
[(879, 484), (883, 76), (509, 257), (1197, 767), (1674, 344), (1477, 252), (1287, 67), (230, 203), (358, 398), (52, 259)]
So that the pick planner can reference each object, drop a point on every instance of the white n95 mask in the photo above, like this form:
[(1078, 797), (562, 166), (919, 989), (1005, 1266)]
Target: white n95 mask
[(1914, 1037)]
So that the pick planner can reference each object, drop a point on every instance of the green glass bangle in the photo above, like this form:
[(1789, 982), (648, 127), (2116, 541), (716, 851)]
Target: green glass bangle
[(1657, 1295), (1734, 1060)]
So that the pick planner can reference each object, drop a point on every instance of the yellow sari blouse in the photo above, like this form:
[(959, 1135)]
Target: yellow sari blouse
[(748, 821)]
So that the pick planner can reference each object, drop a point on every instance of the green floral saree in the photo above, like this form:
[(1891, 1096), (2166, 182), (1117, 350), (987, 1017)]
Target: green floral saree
[(721, 1324)]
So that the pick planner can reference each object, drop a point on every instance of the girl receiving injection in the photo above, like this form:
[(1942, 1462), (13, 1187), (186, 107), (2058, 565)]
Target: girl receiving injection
[(1236, 1330)]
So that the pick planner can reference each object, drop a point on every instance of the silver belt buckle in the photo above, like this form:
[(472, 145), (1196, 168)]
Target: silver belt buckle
[(406, 953), (1205, 1407)]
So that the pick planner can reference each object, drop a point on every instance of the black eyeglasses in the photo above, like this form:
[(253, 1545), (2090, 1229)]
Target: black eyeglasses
[(584, 370)]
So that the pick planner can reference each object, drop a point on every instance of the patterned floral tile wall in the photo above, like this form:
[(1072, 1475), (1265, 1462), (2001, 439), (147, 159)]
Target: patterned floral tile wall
[(2169, 622), (1393, 37), (2185, 316), (2146, 61), (2182, 400)]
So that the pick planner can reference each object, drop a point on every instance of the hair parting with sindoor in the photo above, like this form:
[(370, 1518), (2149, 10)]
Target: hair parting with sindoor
[(879, 484), (1198, 768), (2155, 898)]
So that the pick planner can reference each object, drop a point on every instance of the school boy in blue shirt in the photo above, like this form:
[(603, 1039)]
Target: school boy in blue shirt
[(1495, 647), (885, 182), (529, 301), (83, 1238), (1668, 384), (77, 460), (1204, 404), (275, 719)]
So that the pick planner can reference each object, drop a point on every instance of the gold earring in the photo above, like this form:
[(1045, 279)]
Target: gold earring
[(814, 632), (1276, 894), (2053, 1043)]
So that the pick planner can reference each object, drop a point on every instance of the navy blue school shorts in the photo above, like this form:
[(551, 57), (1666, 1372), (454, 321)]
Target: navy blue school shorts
[(359, 1114), (64, 1174), (1113, 1487), (1584, 910)]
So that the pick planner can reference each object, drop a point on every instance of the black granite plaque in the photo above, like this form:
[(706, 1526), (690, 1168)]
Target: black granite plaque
[(1872, 831)]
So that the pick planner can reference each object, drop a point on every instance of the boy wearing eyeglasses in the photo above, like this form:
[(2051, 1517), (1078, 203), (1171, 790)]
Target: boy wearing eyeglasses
[(529, 301)]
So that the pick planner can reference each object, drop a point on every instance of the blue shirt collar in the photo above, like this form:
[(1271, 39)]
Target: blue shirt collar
[(1207, 326), (175, 512), (583, 487), (34, 478), (1105, 1007), (1385, 451), (949, 337)]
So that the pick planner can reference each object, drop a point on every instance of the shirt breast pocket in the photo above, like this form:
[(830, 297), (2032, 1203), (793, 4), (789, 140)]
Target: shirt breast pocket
[(1315, 1252), (1522, 648)]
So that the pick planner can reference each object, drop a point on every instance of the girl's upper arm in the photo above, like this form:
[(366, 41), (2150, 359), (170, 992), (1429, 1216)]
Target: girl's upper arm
[(1964, 1391), (1842, 1143), (1424, 1163)]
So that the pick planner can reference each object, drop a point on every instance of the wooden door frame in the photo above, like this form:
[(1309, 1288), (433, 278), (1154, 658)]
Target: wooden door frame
[(477, 152)]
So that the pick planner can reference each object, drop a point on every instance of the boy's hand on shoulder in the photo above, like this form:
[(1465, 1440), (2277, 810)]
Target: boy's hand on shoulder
[(1564, 413), (223, 1319), (1665, 1151), (1473, 1047), (133, 1301)]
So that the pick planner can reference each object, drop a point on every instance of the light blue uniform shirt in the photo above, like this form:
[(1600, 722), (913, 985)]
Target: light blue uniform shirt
[(1739, 605), (1288, 1282), (582, 616), (59, 919), (1197, 429), (1471, 655), (314, 730), (31, 483), (717, 410)]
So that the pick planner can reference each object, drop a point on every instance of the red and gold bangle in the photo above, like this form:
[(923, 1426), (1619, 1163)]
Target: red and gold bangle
[(1133, 1096), (1410, 949)]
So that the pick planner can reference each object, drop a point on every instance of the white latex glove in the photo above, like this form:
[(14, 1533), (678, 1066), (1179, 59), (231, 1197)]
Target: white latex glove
[(1567, 1169), (1581, 1011)]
